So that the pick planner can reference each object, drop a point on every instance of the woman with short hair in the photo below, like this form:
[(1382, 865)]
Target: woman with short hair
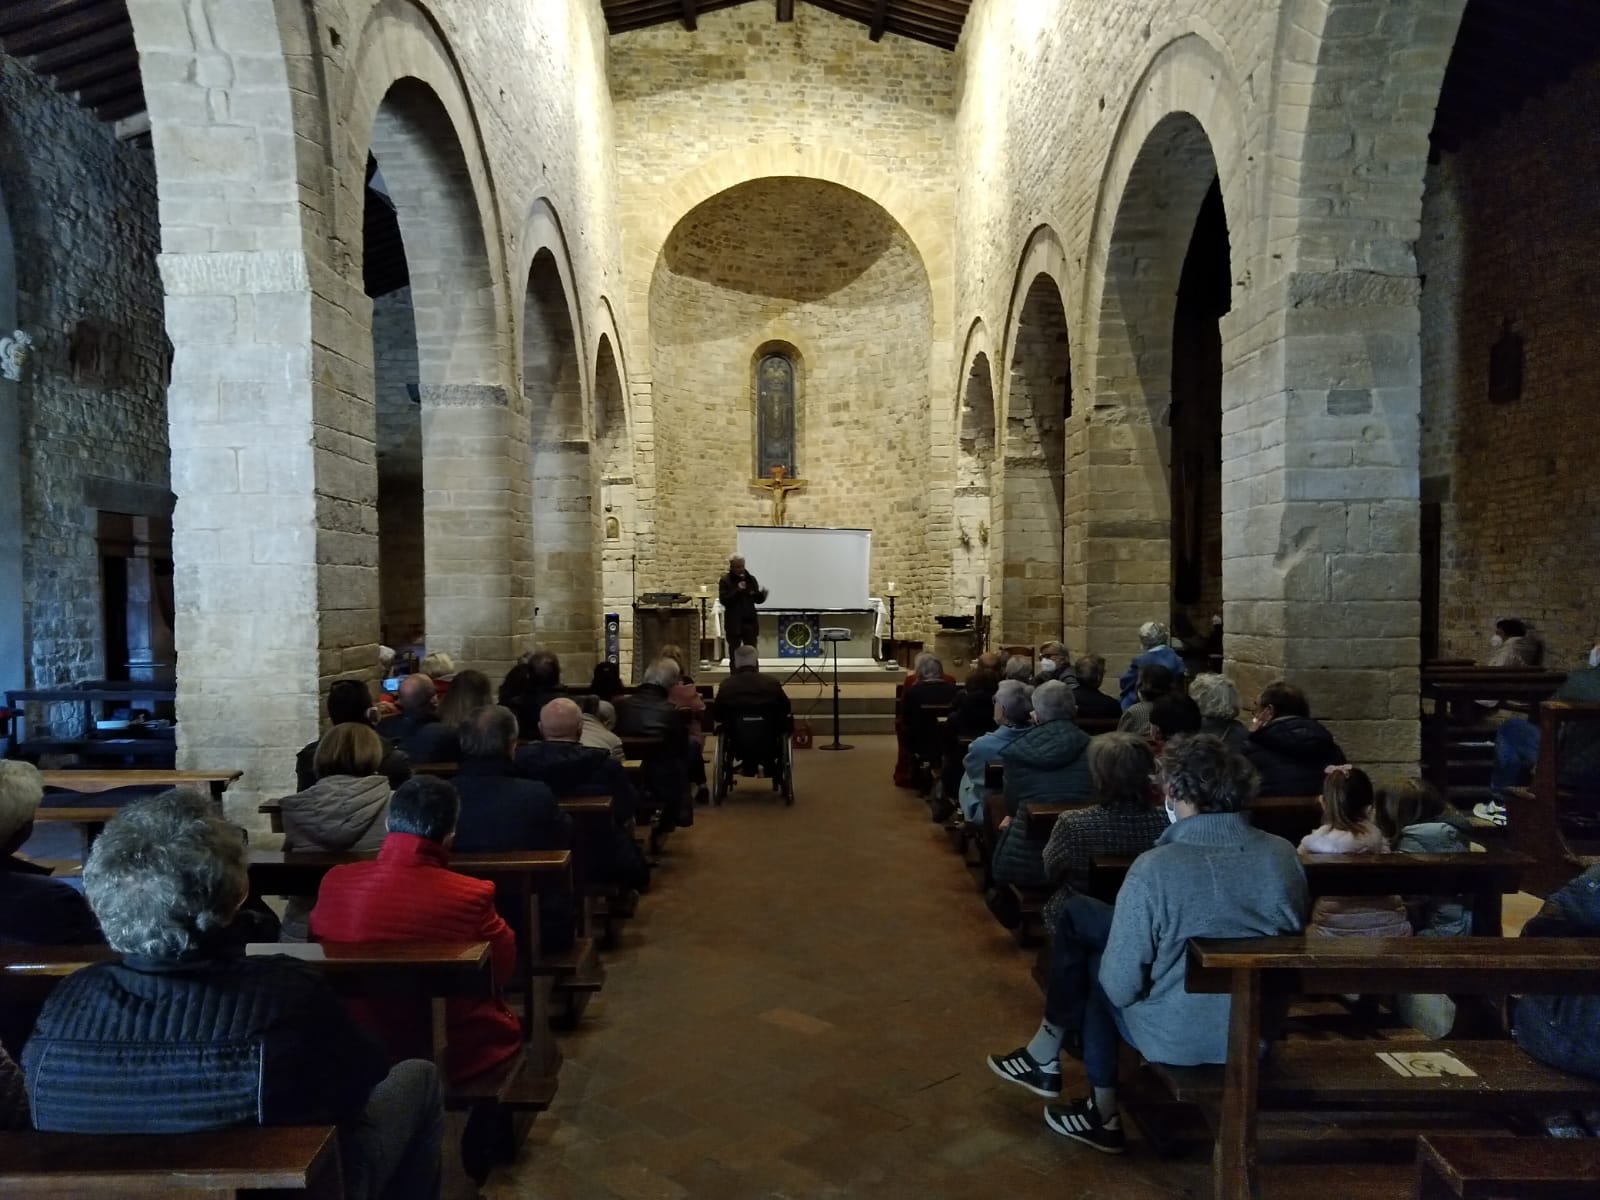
[(342, 812), (1218, 701), (188, 1033)]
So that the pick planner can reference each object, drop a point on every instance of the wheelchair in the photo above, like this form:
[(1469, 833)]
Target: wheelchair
[(763, 734)]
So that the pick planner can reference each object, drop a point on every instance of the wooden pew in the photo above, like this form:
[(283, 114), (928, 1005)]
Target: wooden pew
[(93, 817), (227, 1163), (1533, 814), (1484, 877), (1303, 1076), (1457, 736), (1531, 1168)]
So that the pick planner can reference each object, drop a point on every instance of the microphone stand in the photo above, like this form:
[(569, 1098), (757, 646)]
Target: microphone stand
[(836, 744)]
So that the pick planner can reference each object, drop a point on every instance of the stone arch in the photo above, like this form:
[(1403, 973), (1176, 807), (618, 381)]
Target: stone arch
[(1031, 445), (564, 499), (1181, 132), (12, 635), (973, 501), (542, 234), (619, 500)]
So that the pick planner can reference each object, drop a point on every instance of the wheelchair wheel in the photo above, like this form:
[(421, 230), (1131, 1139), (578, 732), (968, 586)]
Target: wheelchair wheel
[(788, 772), (721, 772)]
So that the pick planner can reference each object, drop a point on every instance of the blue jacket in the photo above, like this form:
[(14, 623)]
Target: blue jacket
[(983, 751), (1210, 875), (1564, 1031), (1160, 656)]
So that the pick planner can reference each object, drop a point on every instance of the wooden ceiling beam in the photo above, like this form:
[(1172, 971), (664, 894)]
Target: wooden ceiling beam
[(71, 53), (690, 16), (880, 20), (24, 34), (93, 70)]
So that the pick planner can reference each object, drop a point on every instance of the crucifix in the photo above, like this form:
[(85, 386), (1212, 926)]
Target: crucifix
[(780, 487)]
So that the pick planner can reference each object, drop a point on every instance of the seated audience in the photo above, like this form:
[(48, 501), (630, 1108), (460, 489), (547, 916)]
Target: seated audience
[(599, 725), (220, 1039), (687, 697), (35, 910), (971, 716), (606, 681), (1219, 709), (649, 712), (1020, 668), (1348, 827), (1211, 874), (562, 763), (526, 692), (410, 894), (748, 687), (1154, 637), (1417, 821), (350, 703), (1516, 746), (469, 691), (1055, 662), (918, 727), (1515, 645), (1123, 819), (342, 812), (1090, 671), (1174, 715), (1564, 1031), (1046, 765), (416, 729), (1013, 717), (502, 809), (437, 665), (1155, 681), (1288, 749)]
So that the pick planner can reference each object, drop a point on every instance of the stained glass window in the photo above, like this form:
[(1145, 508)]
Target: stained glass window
[(775, 415)]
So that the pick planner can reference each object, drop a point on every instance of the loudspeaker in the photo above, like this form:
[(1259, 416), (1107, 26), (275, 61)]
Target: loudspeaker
[(613, 638)]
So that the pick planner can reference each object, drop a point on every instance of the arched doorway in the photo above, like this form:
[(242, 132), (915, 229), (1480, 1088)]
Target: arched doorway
[(563, 482), (1034, 471)]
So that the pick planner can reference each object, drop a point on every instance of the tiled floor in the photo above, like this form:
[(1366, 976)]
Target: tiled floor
[(802, 1008)]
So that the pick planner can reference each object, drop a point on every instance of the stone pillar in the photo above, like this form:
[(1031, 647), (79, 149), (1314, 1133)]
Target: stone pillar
[(564, 552), (1321, 561), (1126, 539), (468, 468)]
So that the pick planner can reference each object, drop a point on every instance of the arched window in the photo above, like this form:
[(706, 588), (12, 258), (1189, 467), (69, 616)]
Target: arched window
[(775, 423)]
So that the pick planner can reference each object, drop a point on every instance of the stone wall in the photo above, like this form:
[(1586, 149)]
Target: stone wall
[(820, 272), (82, 209), (1509, 242)]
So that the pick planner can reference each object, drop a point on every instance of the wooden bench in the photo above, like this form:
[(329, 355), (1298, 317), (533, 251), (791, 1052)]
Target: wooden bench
[(1344, 1075), (1457, 736), (93, 817), (1536, 1168), (1533, 814), (226, 1163)]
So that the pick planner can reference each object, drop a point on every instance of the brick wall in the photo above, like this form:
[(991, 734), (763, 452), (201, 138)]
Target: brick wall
[(1510, 240), (816, 269), (82, 209)]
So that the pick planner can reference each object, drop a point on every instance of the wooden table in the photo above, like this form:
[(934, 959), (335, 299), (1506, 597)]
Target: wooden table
[(1249, 968)]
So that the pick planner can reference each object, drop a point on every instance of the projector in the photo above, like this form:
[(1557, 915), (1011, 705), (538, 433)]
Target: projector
[(835, 635)]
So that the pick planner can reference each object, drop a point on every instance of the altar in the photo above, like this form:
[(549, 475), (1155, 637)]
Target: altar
[(784, 637)]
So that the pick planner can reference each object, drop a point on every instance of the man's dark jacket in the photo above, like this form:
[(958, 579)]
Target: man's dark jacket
[(649, 712), (606, 854), (210, 1041), (395, 767), (1291, 754), (750, 687), (36, 910), (1093, 703), (422, 736), (739, 618), (503, 810)]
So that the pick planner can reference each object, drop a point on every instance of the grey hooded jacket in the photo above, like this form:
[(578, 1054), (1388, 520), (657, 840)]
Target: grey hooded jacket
[(341, 814)]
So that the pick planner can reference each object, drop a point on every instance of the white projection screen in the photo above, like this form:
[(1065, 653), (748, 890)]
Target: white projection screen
[(808, 569)]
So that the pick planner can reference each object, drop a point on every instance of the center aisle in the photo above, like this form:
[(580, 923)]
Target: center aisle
[(802, 1009)]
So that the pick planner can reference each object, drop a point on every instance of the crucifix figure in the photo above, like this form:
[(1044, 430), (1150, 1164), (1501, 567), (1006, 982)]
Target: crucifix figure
[(780, 487)]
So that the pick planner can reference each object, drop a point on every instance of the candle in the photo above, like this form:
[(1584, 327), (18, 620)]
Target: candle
[(891, 587), (981, 582), (705, 589)]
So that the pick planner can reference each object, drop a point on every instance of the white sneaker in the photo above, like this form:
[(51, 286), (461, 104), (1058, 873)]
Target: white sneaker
[(1490, 811)]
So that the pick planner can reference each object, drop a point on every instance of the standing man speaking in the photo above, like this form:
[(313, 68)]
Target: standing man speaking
[(739, 593)]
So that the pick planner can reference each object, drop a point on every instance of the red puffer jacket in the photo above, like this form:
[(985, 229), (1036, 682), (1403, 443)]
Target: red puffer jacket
[(410, 895)]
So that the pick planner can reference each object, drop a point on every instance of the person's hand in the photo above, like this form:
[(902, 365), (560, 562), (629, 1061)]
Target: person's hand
[(1005, 823), (743, 586)]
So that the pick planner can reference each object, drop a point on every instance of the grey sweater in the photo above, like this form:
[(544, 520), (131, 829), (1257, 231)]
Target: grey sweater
[(1210, 875)]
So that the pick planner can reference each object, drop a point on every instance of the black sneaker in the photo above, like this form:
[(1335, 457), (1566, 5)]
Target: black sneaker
[(1081, 1121), (1019, 1068)]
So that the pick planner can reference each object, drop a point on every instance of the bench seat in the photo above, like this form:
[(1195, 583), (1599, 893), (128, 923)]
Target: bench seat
[(1528, 1168), (228, 1162), (1317, 1074)]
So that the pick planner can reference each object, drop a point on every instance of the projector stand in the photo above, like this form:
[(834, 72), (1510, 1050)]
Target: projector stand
[(836, 744)]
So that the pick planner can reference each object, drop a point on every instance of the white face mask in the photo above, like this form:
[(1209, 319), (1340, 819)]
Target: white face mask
[(1172, 813), (1047, 666), (1497, 641), (1594, 658)]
